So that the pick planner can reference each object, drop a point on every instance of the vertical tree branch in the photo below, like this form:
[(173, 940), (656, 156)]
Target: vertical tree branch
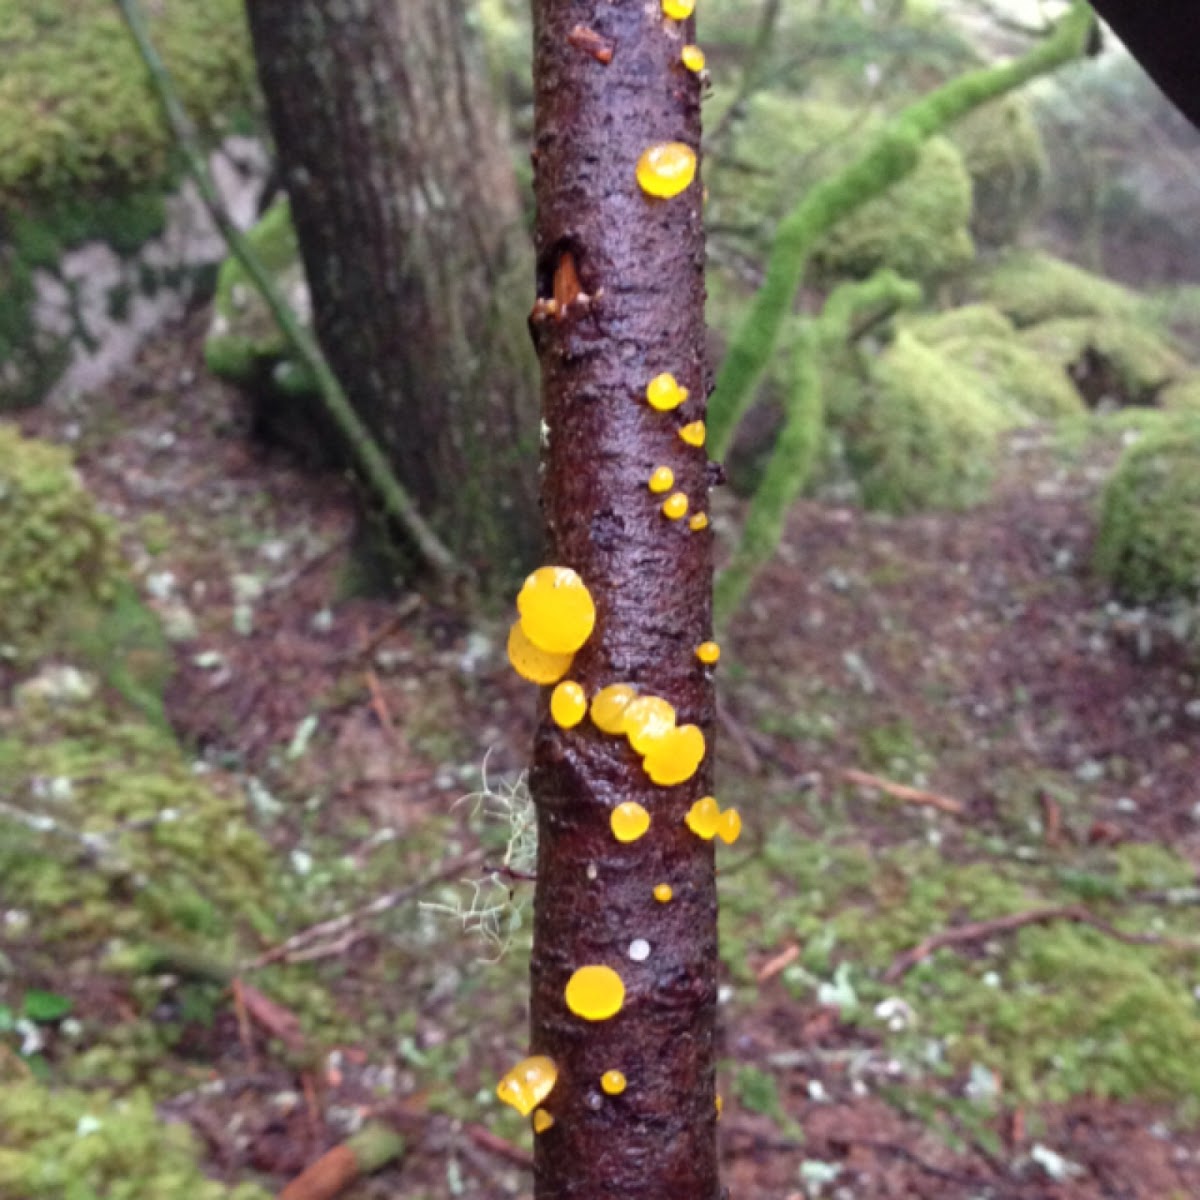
[(641, 261)]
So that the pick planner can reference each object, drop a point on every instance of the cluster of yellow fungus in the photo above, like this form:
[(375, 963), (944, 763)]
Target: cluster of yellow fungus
[(706, 820), (595, 993), (613, 1083), (556, 615), (528, 1083), (693, 58), (708, 653), (664, 393), (629, 821), (662, 480), (678, 10), (666, 169)]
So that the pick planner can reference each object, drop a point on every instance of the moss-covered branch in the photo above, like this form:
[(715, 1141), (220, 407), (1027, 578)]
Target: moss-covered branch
[(891, 156), (396, 501), (796, 449)]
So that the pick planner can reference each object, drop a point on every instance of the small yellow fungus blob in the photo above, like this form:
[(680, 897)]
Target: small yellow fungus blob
[(675, 756), (608, 707), (663, 893), (704, 818), (679, 10), (675, 506), (647, 719), (568, 704), (662, 480), (698, 522), (533, 663), (666, 169), (720, 1106), (557, 612), (692, 57), (613, 1082), (542, 1121), (629, 821), (528, 1083), (595, 993), (694, 433), (730, 826), (664, 393), (708, 653)]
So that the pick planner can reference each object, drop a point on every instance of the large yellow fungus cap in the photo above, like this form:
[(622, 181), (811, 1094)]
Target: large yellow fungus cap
[(568, 704), (629, 821), (664, 393), (646, 719), (533, 663), (675, 756), (666, 169), (704, 818), (608, 707), (679, 10), (528, 1083), (557, 611), (595, 993)]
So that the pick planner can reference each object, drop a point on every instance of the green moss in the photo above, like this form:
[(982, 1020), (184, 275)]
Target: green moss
[(77, 114), (1148, 546), (1112, 360), (62, 1144), (1017, 378), (1030, 287), (926, 433), (968, 321), (1183, 395), (56, 549), (1006, 160)]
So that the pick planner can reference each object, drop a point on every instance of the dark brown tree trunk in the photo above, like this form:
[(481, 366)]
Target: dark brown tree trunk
[(639, 262), (405, 204)]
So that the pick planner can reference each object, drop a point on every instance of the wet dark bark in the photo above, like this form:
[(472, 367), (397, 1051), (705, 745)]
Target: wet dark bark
[(641, 262), (405, 204)]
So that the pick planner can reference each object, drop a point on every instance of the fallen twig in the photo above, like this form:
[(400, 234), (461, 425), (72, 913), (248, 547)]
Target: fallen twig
[(372, 1148), (317, 941), (975, 931), (780, 962), (485, 1139), (901, 791)]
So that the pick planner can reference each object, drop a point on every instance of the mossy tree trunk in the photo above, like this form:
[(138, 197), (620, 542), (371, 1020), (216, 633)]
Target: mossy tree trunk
[(640, 262), (406, 209)]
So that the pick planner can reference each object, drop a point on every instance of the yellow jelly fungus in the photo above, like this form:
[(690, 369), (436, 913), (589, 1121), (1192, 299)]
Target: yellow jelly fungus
[(557, 613), (675, 506), (666, 169), (608, 707), (629, 821), (662, 480), (704, 817), (720, 1106), (542, 1121), (698, 522), (646, 720), (568, 704), (730, 826), (595, 993), (674, 757), (694, 433), (528, 1083), (664, 393), (533, 663), (679, 10), (613, 1082), (692, 57), (708, 653), (663, 893)]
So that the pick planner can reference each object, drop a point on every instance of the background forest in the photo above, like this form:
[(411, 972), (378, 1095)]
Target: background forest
[(265, 840)]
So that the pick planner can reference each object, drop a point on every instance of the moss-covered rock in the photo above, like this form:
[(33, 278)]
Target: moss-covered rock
[(1148, 546), (1016, 377), (1113, 361), (925, 434), (77, 114), (63, 1144), (919, 228), (1004, 155), (56, 549), (1029, 287)]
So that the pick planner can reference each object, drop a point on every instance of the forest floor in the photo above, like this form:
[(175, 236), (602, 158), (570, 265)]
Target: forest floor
[(1051, 742)]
